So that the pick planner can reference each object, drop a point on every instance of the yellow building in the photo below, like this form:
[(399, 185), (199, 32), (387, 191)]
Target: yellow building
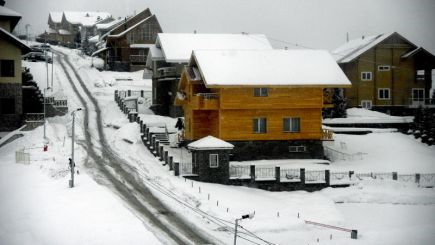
[(11, 50), (267, 103)]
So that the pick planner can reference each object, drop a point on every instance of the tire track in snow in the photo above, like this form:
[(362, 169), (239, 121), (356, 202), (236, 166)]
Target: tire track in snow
[(128, 184)]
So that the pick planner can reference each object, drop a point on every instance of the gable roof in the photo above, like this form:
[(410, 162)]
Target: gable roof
[(131, 27), (56, 17), (17, 42), (312, 68), (85, 18), (417, 51), (177, 47), (209, 143), (129, 21), (11, 15)]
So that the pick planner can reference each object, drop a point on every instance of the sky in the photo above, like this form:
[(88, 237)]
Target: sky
[(319, 24)]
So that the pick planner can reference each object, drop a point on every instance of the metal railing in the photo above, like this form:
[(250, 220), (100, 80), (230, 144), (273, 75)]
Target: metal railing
[(414, 103), (327, 134), (290, 175), (34, 117), (315, 176), (240, 172), (60, 103), (166, 72), (138, 58), (265, 173), (338, 177), (333, 154)]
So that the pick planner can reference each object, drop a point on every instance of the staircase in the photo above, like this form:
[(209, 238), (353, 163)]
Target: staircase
[(162, 138)]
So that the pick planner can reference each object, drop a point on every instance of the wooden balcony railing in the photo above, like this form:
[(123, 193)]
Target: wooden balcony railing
[(206, 101), (415, 103), (327, 135), (138, 58)]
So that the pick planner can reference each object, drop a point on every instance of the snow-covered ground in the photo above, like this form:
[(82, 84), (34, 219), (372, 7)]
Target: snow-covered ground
[(40, 208), (364, 116)]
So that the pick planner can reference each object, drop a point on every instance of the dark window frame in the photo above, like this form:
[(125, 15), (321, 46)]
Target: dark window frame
[(5, 70)]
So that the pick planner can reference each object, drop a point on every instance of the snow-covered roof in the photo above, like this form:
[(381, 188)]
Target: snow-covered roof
[(356, 47), (108, 25), (99, 51), (177, 47), (8, 12), (85, 18), (210, 143), (269, 68), (156, 53), (131, 27), (56, 17), (416, 51), (15, 40), (94, 39), (64, 32)]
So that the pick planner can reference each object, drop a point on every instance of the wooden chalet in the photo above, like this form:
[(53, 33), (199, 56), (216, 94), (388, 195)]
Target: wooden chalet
[(73, 29), (172, 52), (267, 103), (119, 54), (388, 73), (11, 49)]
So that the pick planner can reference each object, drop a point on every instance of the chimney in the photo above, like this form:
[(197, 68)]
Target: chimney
[(2, 3)]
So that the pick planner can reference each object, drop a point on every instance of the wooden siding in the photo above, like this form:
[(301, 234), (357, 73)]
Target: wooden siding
[(400, 79)]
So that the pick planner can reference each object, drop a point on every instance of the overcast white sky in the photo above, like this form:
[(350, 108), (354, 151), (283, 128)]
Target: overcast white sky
[(313, 23)]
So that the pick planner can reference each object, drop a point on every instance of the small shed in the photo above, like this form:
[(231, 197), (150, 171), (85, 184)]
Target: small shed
[(210, 159)]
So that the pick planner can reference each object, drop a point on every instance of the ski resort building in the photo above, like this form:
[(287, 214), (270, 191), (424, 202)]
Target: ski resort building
[(267, 103), (172, 52), (127, 45), (11, 94), (388, 72)]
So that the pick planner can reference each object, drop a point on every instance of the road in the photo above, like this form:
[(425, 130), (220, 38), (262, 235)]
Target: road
[(120, 177)]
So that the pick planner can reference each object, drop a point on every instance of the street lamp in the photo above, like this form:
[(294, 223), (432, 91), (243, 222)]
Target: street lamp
[(246, 216), (45, 102), (71, 160)]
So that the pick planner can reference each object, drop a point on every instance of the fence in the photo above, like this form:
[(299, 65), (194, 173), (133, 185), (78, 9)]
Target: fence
[(22, 157), (333, 154), (326, 177), (34, 117)]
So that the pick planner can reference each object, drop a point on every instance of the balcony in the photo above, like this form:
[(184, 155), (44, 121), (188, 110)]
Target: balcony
[(425, 103), (166, 72), (327, 135), (138, 58), (205, 101)]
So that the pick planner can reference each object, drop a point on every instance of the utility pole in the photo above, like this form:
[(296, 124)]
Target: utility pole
[(52, 67), (246, 216), (27, 32), (72, 163), (45, 102)]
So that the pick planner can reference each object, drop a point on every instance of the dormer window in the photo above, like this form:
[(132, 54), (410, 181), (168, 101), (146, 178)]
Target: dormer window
[(261, 92)]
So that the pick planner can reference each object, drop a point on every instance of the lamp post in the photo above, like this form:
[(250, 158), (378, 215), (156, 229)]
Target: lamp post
[(45, 102), (246, 216), (71, 160)]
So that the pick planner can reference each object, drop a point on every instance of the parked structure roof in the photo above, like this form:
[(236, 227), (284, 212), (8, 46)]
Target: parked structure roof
[(56, 17), (178, 47), (24, 48), (316, 68), (85, 18), (210, 143)]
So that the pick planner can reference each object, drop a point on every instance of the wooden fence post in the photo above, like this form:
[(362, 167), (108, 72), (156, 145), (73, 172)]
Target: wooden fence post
[(161, 153), (165, 158), (394, 175), (171, 163), (129, 92), (417, 178), (141, 126), (116, 95)]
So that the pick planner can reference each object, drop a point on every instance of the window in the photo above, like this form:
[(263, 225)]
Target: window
[(418, 94), (384, 68), (214, 160), (366, 104), (420, 75), (291, 124), (384, 93), (260, 92), (259, 125), (7, 106), (366, 76), (7, 68), (297, 148)]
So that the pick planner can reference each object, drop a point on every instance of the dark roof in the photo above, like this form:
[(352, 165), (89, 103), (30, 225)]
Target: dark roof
[(11, 15), (17, 42)]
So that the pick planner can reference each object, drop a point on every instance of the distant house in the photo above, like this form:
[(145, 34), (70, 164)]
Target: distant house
[(73, 29), (120, 52), (172, 52), (388, 72), (11, 49), (267, 103)]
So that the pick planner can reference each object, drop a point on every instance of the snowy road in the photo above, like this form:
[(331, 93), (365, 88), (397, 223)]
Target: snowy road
[(119, 176)]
